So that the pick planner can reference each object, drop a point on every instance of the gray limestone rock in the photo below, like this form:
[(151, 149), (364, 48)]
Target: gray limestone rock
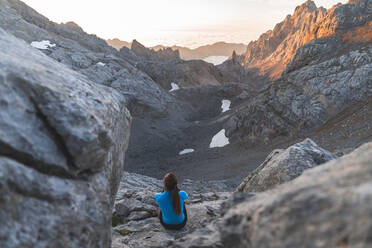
[(135, 210), (62, 147), (321, 61), (284, 165), (327, 206)]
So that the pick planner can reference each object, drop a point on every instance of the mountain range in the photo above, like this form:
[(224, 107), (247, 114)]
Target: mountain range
[(202, 52), (273, 145)]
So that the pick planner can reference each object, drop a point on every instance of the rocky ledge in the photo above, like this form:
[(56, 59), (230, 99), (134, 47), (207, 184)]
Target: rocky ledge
[(309, 207), (135, 218)]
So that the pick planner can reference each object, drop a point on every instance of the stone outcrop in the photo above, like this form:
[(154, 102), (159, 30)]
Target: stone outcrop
[(321, 202), (284, 165), (164, 66), (118, 44), (306, 99), (100, 63), (159, 118), (324, 75), (88, 55), (148, 53), (327, 206), (62, 147), (135, 218), (275, 49), (183, 73)]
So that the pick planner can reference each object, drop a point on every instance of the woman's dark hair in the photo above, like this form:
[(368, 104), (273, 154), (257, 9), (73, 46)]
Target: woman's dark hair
[(170, 185)]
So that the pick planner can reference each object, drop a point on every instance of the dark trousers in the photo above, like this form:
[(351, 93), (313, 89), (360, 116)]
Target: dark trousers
[(174, 226)]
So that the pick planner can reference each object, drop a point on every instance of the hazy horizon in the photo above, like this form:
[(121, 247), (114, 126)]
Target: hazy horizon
[(189, 23)]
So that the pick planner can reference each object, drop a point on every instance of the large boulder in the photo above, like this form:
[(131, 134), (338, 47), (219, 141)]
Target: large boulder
[(327, 206), (284, 165), (62, 147)]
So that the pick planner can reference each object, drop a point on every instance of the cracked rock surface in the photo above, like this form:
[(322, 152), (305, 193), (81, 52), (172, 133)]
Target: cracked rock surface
[(326, 206), (62, 147)]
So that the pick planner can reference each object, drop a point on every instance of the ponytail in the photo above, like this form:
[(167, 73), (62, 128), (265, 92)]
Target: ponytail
[(176, 202), (170, 184)]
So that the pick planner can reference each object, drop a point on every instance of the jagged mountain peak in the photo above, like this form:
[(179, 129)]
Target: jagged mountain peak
[(307, 7), (73, 25), (162, 54), (275, 49), (135, 44), (359, 2)]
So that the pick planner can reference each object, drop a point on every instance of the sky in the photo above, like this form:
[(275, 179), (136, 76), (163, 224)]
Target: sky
[(173, 22)]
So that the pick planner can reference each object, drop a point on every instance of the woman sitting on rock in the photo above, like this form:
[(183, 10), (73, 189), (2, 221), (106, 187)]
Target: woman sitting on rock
[(172, 212)]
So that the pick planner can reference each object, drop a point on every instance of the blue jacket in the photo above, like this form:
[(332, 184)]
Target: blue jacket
[(164, 201)]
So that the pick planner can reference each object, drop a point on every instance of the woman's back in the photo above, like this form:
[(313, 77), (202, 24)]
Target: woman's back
[(164, 201)]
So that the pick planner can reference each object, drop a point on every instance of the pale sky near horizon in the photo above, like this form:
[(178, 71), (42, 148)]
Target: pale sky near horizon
[(168, 22)]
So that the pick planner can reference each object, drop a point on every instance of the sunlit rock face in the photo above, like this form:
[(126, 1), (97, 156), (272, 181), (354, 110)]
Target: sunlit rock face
[(275, 49), (62, 147), (320, 71)]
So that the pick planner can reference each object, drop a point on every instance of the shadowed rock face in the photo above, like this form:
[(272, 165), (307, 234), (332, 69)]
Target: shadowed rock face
[(62, 145), (92, 57), (325, 73), (327, 203), (84, 53), (164, 66), (162, 54), (285, 165), (160, 118), (323, 204), (329, 206)]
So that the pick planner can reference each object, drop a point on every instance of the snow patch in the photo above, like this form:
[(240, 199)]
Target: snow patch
[(219, 140), (44, 44), (185, 151), (101, 64), (225, 105), (174, 87)]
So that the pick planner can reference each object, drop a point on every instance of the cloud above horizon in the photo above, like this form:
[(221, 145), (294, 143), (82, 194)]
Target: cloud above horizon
[(164, 20)]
